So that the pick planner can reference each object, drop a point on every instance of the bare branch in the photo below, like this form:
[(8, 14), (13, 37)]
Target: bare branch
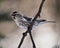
[(31, 25)]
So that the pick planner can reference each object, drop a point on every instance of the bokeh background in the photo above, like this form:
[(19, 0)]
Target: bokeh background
[(9, 34)]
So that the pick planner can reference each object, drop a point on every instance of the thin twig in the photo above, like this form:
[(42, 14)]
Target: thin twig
[(30, 27), (24, 35)]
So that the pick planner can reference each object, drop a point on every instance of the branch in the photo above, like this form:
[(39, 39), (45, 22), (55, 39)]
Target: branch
[(38, 13), (30, 27)]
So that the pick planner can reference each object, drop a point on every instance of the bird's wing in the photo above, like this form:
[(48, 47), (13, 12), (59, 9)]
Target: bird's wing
[(41, 21), (27, 18)]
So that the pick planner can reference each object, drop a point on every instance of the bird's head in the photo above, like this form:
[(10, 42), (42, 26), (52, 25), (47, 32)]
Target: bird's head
[(16, 15), (19, 16)]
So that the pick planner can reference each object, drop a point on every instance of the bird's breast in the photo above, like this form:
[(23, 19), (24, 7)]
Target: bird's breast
[(20, 24)]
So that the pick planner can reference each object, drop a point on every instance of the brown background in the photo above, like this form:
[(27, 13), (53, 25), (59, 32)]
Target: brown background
[(50, 11)]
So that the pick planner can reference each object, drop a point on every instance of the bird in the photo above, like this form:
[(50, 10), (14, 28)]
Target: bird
[(23, 21)]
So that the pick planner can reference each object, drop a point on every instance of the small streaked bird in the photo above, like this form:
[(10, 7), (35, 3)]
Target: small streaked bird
[(23, 21)]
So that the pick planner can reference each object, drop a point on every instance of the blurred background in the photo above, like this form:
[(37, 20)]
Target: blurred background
[(9, 34)]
